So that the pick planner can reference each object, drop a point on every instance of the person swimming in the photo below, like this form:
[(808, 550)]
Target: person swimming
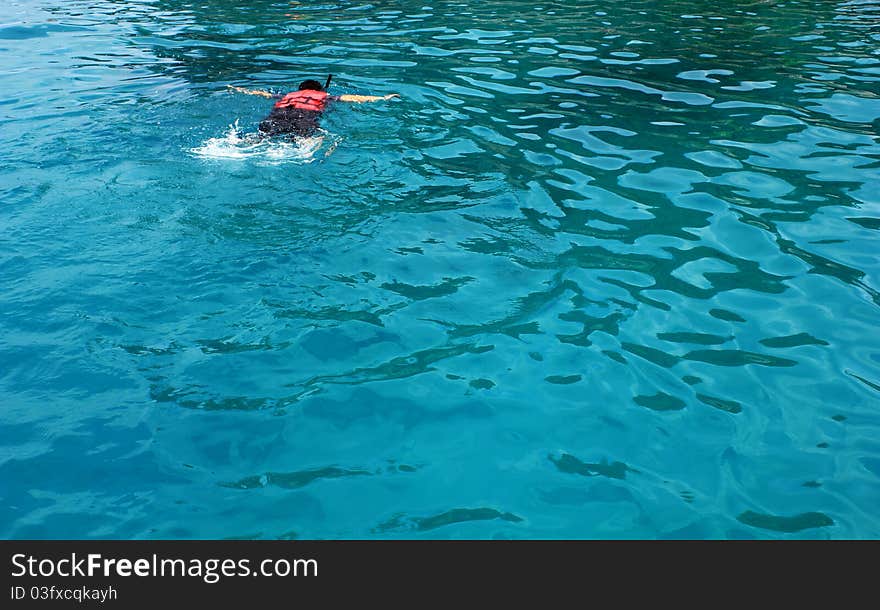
[(297, 113)]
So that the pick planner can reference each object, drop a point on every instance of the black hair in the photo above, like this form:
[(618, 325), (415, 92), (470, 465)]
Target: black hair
[(311, 84)]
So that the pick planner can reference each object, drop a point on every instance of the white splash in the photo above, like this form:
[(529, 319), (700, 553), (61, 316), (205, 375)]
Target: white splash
[(235, 145)]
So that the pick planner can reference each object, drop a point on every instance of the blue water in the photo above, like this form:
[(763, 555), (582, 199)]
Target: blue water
[(605, 270)]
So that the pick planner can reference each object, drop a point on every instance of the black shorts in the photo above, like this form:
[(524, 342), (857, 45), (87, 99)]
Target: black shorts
[(303, 123)]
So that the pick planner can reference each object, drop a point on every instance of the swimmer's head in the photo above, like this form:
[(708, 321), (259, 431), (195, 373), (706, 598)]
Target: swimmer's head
[(311, 84)]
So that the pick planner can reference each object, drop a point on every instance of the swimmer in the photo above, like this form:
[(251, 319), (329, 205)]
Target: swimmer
[(297, 113)]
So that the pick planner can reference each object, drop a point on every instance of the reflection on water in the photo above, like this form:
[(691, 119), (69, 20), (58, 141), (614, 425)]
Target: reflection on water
[(601, 271)]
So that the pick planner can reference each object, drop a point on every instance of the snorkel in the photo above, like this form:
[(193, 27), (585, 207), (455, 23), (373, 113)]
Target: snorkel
[(327, 84)]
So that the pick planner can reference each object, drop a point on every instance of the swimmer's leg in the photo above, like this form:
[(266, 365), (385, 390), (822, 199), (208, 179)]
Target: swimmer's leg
[(255, 137), (310, 145)]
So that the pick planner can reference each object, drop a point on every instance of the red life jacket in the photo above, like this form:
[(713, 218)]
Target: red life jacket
[(304, 99)]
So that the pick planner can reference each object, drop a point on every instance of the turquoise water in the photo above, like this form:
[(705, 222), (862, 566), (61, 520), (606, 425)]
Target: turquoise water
[(605, 270)]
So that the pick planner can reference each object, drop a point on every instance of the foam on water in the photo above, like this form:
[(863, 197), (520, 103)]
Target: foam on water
[(237, 145)]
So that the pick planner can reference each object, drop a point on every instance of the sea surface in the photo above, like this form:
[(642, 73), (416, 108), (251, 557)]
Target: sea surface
[(604, 270)]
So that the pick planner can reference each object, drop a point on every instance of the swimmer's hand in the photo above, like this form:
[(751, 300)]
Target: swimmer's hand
[(250, 91), (359, 99)]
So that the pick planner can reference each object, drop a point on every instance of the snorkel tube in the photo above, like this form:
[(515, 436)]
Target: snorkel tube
[(327, 84)]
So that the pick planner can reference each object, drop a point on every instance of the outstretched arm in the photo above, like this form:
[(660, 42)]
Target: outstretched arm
[(359, 99), (251, 91)]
